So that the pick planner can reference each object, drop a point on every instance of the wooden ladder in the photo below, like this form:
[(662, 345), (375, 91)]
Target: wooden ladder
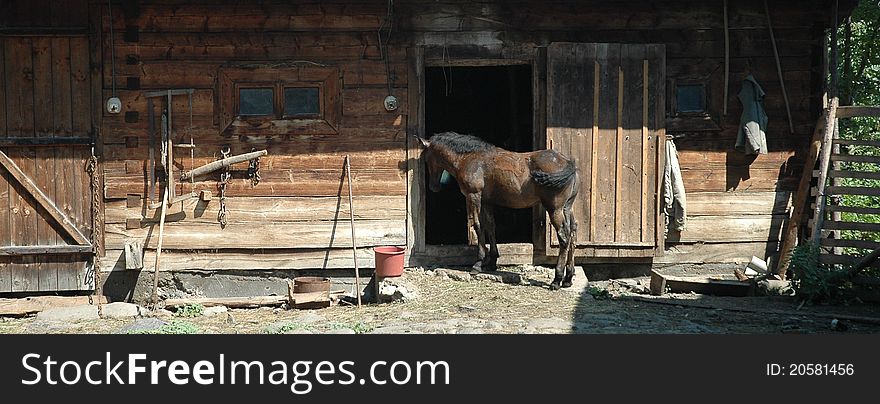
[(824, 139)]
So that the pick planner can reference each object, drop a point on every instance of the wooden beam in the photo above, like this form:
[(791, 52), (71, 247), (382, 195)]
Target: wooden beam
[(618, 171), (726, 60), (45, 141), (237, 302), (45, 249), (66, 224), (858, 111), (852, 142), (36, 304), (223, 163), (869, 191), (594, 153), (824, 161), (698, 284)]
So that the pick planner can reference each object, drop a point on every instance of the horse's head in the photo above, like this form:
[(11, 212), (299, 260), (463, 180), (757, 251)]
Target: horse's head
[(434, 164)]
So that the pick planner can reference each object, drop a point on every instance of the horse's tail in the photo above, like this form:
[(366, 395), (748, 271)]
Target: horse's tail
[(558, 179)]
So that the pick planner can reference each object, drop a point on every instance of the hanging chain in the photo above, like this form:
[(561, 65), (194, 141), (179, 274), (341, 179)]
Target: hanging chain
[(94, 236), (253, 171), (221, 186)]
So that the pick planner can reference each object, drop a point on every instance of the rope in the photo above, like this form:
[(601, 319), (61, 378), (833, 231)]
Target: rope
[(94, 236)]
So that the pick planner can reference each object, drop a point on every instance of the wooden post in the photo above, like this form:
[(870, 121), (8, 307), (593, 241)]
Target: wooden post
[(823, 171), (155, 295), (357, 275), (726, 58), (779, 68), (800, 198)]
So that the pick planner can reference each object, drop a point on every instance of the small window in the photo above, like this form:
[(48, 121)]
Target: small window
[(302, 102), (256, 101), (281, 99), (690, 98)]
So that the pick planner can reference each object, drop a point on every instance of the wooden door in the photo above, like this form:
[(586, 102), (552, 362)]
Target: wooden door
[(46, 128), (605, 108)]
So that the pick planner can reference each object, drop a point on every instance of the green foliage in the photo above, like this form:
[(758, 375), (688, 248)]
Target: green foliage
[(358, 327), (814, 281), (286, 327), (174, 327), (190, 310), (599, 293)]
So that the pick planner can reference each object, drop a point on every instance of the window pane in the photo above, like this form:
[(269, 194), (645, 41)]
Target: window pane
[(255, 101), (689, 98), (301, 101)]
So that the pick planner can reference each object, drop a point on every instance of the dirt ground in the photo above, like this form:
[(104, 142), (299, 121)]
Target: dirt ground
[(451, 301)]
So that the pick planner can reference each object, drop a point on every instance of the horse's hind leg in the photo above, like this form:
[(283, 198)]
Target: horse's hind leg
[(557, 219), (572, 226), (488, 224), (473, 206)]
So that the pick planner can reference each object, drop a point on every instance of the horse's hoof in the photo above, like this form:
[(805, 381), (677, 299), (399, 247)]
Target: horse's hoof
[(566, 284), (554, 286), (475, 270)]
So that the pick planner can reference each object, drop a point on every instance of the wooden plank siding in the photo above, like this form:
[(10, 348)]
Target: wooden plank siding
[(44, 88), (300, 206), (183, 44)]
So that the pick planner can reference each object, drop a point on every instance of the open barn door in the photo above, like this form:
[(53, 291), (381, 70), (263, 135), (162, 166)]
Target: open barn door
[(605, 108)]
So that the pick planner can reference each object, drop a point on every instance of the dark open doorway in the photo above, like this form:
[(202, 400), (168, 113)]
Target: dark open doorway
[(494, 103)]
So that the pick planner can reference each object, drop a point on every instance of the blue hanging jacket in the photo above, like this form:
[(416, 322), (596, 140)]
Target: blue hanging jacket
[(752, 138)]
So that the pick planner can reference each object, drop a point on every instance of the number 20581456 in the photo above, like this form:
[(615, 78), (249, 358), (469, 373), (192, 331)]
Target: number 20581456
[(810, 369)]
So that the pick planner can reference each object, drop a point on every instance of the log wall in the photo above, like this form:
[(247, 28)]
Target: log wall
[(299, 209)]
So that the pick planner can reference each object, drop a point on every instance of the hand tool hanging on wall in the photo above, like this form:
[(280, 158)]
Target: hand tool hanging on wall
[(162, 167)]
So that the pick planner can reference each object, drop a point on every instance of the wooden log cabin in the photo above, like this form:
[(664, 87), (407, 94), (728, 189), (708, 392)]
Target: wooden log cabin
[(307, 81)]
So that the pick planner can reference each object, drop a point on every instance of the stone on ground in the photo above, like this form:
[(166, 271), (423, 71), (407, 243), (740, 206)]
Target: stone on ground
[(214, 310), (142, 325), (120, 310), (75, 313), (553, 323)]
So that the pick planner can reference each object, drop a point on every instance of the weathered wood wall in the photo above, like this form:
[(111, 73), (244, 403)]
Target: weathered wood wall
[(737, 203), (296, 218), (45, 125)]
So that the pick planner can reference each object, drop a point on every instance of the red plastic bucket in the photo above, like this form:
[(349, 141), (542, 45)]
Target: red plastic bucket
[(389, 261)]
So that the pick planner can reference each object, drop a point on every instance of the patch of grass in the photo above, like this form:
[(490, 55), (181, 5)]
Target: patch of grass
[(190, 310), (287, 327), (814, 281), (599, 293), (174, 327), (358, 327)]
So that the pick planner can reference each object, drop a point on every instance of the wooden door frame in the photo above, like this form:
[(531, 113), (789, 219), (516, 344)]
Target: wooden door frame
[(418, 252)]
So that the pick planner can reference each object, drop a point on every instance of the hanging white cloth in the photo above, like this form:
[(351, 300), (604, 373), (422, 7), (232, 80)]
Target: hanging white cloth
[(674, 199)]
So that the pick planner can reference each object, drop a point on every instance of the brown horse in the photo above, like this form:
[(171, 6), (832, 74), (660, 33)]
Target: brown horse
[(489, 175)]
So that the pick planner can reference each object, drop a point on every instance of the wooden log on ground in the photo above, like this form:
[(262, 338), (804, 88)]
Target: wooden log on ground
[(698, 284), (35, 304), (235, 302)]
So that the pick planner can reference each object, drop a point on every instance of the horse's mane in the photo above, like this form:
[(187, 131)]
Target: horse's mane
[(460, 143)]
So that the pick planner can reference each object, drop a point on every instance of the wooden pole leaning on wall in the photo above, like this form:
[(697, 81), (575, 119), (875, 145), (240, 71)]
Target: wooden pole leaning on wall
[(726, 59), (154, 297), (779, 68), (825, 159), (799, 199), (357, 275)]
